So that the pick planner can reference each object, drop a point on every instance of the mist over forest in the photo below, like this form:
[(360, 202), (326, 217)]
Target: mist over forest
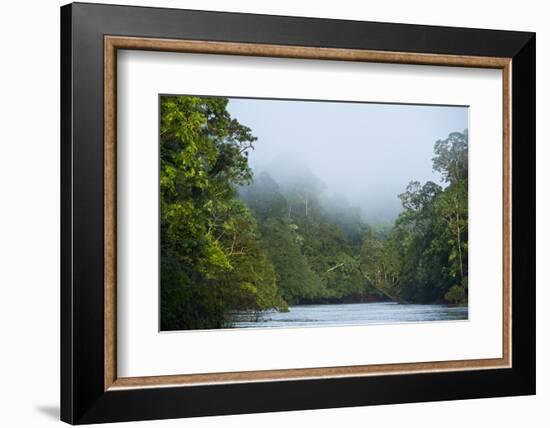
[(266, 205), (362, 154)]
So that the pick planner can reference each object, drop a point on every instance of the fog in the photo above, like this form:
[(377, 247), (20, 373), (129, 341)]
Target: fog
[(362, 155)]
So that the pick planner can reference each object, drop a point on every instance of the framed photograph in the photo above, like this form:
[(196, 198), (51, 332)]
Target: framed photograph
[(265, 213)]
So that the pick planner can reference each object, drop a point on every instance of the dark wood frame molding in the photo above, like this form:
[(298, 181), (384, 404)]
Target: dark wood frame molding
[(91, 391)]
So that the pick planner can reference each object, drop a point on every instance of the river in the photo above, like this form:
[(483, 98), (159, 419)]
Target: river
[(352, 314)]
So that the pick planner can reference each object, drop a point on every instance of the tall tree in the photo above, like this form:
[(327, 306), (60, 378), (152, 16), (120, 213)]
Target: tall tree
[(211, 262), (451, 161), (428, 246)]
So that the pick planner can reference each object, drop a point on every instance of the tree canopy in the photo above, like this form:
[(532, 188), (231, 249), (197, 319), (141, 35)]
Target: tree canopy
[(232, 241)]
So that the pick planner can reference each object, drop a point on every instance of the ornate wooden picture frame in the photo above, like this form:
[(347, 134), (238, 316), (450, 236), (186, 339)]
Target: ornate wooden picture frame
[(91, 389)]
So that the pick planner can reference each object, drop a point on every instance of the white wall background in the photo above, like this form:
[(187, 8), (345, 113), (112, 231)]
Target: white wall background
[(29, 214)]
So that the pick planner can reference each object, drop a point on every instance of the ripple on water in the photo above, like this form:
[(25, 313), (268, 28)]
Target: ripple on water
[(353, 314)]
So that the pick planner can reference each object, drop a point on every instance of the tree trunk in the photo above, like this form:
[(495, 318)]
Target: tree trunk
[(335, 267), (459, 241), (384, 292)]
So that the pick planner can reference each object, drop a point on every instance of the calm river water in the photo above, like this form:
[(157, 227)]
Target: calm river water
[(353, 314)]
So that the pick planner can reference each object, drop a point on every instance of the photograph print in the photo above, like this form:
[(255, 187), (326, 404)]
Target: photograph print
[(280, 213)]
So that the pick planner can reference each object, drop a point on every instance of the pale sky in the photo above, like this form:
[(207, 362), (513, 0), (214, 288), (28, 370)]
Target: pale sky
[(366, 152)]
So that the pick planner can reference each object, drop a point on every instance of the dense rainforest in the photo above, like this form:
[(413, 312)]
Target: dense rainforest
[(236, 241)]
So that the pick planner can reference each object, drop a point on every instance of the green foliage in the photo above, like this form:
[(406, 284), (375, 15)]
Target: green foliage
[(295, 278), (380, 263), (313, 255), (429, 242), (457, 295), (232, 242), (211, 259)]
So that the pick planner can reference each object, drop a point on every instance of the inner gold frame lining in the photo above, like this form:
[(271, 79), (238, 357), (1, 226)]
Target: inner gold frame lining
[(113, 43)]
